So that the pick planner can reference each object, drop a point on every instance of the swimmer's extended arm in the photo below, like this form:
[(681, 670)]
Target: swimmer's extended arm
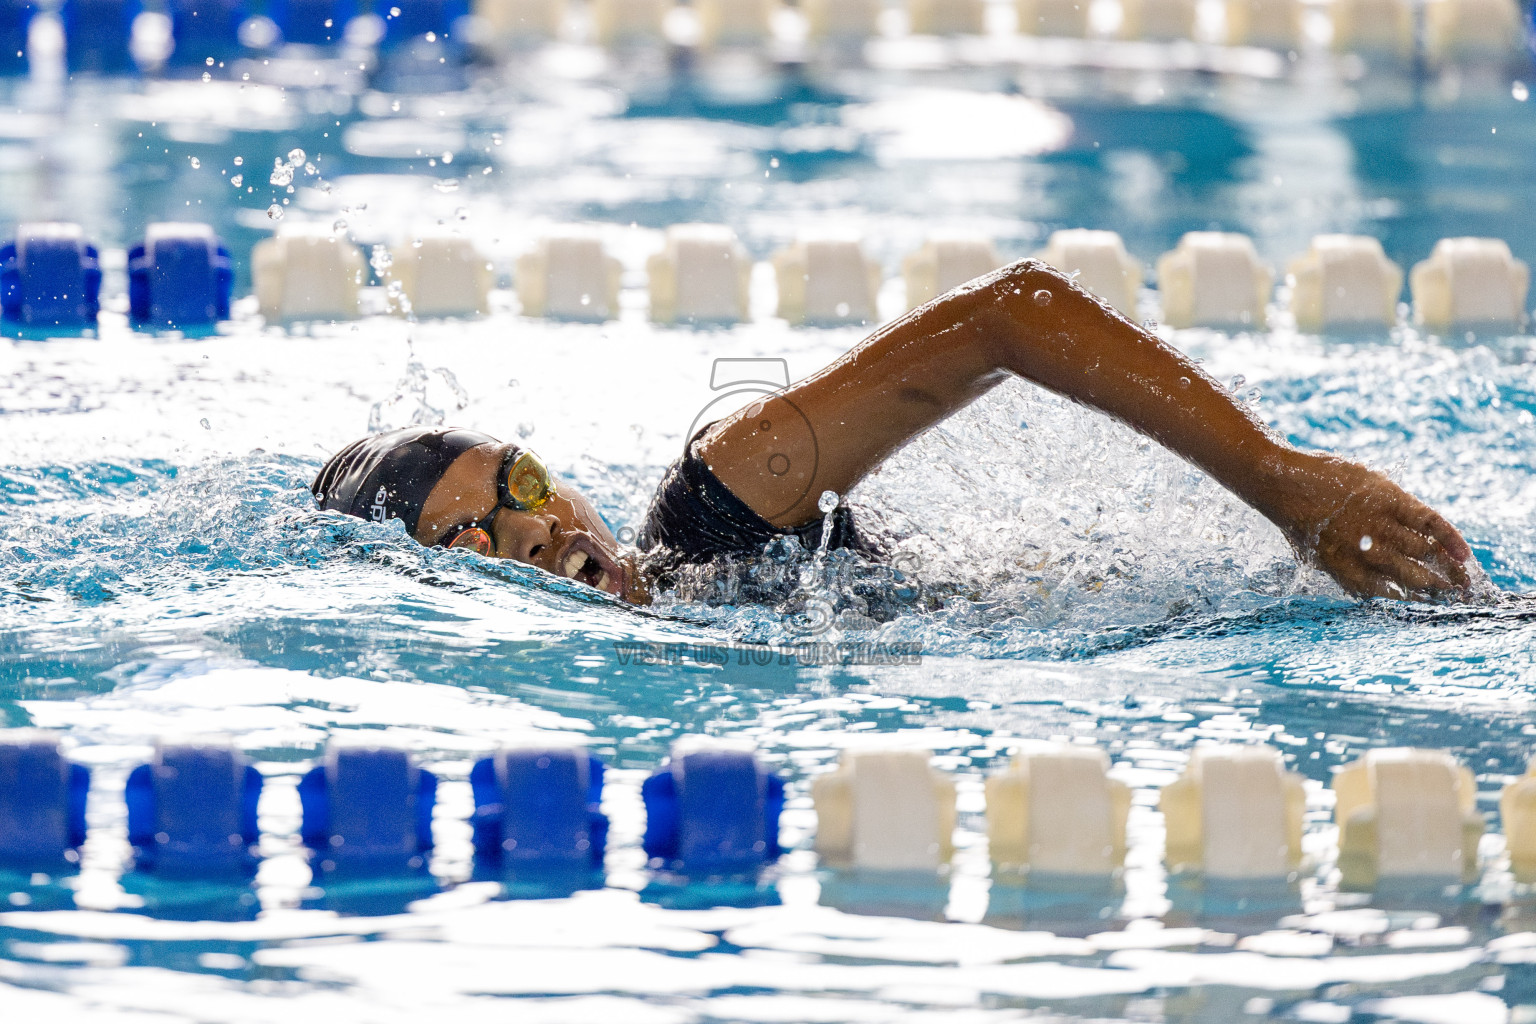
[(1028, 319)]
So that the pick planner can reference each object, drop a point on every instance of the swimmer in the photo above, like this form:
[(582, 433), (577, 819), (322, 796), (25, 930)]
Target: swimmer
[(758, 474)]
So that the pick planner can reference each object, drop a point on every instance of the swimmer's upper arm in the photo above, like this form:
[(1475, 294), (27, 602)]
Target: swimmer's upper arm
[(828, 431)]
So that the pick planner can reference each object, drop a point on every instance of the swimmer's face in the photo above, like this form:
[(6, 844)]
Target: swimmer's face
[(564, 536)]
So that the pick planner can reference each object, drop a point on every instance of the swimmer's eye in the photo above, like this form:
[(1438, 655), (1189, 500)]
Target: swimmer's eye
[(473, 539)]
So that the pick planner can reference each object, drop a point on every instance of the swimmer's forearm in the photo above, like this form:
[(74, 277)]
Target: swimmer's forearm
[(1051, 332)]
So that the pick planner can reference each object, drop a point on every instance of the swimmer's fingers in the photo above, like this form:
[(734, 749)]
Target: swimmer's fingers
[(1433, 525), (1430, 551), (1401, 576)]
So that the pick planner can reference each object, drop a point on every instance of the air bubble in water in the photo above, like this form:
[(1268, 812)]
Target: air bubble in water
[(209, 62), (1043, 297), (205, 424), (827, 502), (275, 212), (239, 160), (462, 213), (1366, 543), (380, 260), (447, 185), (1183, 382), (237, 180), (196, 163), (295, 157), (282, 174), (339, 227), (416, 243), (207, 77), (309, 168), (1238, 382), (1519, 91), (842, 309), (525, 430)]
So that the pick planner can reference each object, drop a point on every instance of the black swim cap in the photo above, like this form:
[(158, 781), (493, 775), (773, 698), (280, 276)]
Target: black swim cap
[(388, 476)]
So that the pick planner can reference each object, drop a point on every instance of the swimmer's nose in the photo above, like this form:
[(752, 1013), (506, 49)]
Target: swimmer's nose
[(531, 537)]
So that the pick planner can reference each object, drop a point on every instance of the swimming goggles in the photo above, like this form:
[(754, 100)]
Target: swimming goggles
[(523, 485)]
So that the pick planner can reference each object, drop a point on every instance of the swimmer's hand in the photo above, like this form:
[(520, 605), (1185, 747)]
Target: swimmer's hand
[(1369, 534)]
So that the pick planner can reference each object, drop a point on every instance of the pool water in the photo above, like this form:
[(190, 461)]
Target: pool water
[(163, 571)]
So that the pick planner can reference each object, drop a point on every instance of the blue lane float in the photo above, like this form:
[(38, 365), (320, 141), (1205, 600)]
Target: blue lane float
[(192, 812), (368, 811), (203, 29), (50, 278), (419, 18), (312, 22), (42, 804), (15, 23), (713, 812), (97, 36), (538, 809), (179, 277)]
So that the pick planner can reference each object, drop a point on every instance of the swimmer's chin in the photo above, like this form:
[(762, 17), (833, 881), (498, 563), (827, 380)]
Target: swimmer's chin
[(632, 584)]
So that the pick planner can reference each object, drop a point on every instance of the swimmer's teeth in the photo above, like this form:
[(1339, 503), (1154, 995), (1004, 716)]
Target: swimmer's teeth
[(602, 581), (573, 564)]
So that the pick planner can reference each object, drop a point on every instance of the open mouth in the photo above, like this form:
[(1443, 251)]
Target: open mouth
[(583, 562)]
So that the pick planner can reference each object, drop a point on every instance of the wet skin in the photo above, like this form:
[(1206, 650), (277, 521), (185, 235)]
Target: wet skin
[(552, 537), (830, 430)]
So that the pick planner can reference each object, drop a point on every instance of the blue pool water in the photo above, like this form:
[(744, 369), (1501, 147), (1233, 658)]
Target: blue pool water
[(163, 572)]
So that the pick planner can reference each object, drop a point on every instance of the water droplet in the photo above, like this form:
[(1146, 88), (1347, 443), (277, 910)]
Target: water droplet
[(1519, 91), (1366, 543), (275, 212), (295, 157), (209, 62), (447, 185), (196, 163), (205, 424), (237, 180), (1043, 297), (239, 161), (827, 502), (207, 77)]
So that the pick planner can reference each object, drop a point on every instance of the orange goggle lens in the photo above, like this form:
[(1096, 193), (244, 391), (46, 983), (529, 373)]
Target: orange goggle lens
[(473, 539), (528, 484)]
